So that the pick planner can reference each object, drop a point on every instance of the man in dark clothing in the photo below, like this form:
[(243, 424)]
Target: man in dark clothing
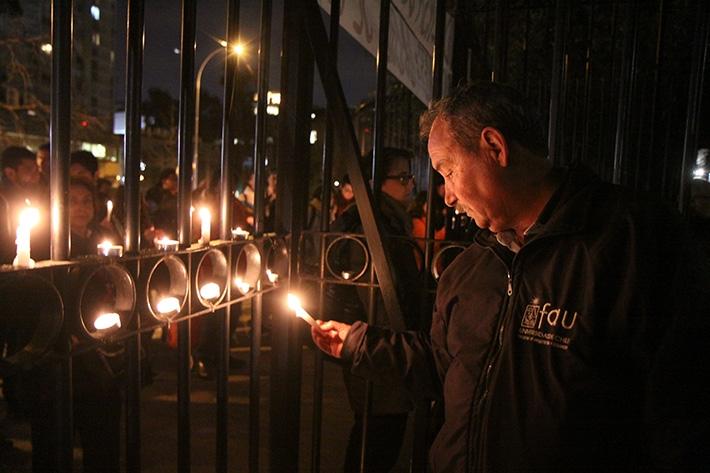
[(390, 406), (571, 335)]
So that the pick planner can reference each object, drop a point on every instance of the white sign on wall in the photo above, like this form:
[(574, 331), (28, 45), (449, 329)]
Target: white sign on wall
[(411, 38)]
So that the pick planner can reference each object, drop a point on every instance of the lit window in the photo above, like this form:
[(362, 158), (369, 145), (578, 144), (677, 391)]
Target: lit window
[(95, 12), (96, 39), (46, 48), (314, 136)]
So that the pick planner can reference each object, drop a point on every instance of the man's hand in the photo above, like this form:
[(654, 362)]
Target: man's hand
[(329, 336)]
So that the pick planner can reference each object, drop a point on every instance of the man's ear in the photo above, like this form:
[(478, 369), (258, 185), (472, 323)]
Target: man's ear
[(495, 144)]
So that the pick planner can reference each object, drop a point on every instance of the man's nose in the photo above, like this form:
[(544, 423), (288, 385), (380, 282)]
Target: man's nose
[(449, 197)]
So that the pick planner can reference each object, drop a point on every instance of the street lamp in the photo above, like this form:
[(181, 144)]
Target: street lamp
[(237, 49)]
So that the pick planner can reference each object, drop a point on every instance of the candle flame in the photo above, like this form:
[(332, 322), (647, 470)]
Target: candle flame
[(294, 303), (346, 275), (167, 305), (107, 320), (205, 213), (210, 291), (29, 217), (109, 206)]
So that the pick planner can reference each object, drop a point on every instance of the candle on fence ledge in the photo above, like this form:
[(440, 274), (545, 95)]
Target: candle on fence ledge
[(107, 320), (29, 217), (243, 286), (294, 303), (107, 248), (239, 234), (272, 276), (168, 305), (210, 291), (346, 275), (206, 224), (166, 244)]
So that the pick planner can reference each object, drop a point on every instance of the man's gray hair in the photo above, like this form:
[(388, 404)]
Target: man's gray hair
[(472, 107)]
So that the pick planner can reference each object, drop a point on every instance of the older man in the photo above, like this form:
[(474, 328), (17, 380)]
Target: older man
[(571, 335)]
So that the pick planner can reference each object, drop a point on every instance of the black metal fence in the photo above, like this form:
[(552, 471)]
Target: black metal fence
[(619, 83)]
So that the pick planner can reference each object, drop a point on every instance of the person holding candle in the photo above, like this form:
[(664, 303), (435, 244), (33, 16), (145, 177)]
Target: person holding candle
[(390, 405), (571, 335)]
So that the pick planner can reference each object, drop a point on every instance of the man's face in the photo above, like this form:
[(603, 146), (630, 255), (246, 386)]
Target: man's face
[(25, 175), (170, 184), (77, 170), (81, 207), (43, 161), (399, 182), (472, 181)]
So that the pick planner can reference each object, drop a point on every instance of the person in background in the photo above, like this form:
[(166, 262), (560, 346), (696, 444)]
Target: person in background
[(572, 334), (43, 157), (161, 201), (390, 406), (418, 212)]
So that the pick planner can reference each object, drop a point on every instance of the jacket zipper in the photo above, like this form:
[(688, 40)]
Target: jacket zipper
[(478, 403)]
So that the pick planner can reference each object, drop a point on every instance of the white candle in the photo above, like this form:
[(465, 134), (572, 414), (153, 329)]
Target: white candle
[(206, 220), (346, 275), (242, 285), (107, 320), (166, 244), (273, 277), (109, 209), (295, 305), (239, 234), (210, 291), (107, 248), (168, 305), (28, 218)]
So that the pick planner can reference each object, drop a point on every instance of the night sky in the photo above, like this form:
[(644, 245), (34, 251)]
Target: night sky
[(161, 66)]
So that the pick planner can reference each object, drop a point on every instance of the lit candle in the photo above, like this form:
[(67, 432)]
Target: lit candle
[(273, 277), (239, 234), (242, 285), (107, 320), (295, 305), (346, 275), (210, 291), (29, 217), (206, 220), (106, 248), (109, 209), (166, 244), (168, 305)]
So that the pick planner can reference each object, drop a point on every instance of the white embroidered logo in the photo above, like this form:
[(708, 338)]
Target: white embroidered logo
[(547, 326)]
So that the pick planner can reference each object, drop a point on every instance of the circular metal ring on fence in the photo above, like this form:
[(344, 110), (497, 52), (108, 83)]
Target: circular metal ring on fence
[(277, 262), (31, 318), (342, 265), (106, 301), (211, 278), (438, 265), (166, 288), (247, 268)]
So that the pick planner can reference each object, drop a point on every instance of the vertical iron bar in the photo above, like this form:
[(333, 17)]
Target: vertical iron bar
[(588, 82), (60, 126), (695, 95), (186, 132), (231, 65), (652, 152), (625, 93), (259, 166), (380, 101), (327, 174), (556, 82), (131, 171), (500, 39), (59, 137), (526, 47), (261, 116)]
